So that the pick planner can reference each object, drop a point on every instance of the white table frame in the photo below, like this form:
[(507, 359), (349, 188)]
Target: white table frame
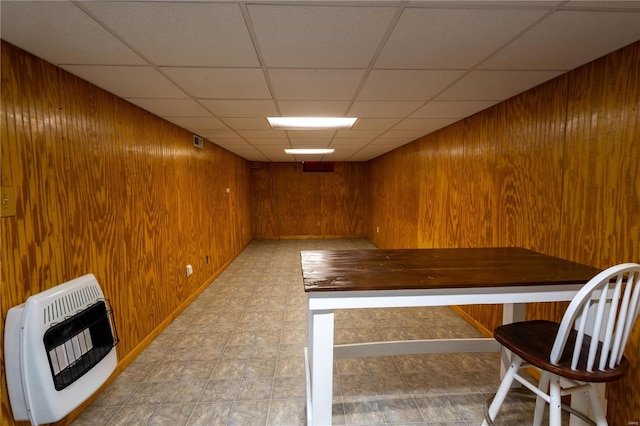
[(320, 353)]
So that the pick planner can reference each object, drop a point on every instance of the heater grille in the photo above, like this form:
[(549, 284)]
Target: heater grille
[(78, 343)]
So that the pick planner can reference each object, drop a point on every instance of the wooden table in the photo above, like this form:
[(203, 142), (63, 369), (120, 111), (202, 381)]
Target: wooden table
[(347, 279)]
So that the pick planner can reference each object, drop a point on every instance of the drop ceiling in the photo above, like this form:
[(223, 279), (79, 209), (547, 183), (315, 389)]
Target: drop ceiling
[(404, 68)]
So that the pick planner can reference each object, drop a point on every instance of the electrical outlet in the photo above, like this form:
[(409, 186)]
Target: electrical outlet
[(189, 270), (7, 202)]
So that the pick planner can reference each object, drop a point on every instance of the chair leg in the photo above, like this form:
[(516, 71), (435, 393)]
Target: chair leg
[(543, 385), (555, 409), (598, 412), (503, 390)]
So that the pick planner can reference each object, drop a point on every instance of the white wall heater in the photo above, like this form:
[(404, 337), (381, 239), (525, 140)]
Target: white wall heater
[(59, 349)]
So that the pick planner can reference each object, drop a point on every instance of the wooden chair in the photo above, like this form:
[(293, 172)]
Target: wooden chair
[(571, 360)]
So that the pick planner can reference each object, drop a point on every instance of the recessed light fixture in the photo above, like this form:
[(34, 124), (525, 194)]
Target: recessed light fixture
[(311, 123), (309, 150)]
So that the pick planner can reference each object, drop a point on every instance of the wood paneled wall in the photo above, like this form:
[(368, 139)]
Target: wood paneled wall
[(555, 169), (289, 203), (104, 187)]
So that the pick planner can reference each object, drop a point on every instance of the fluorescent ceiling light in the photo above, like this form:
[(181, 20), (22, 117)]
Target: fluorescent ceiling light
[(309, 151), (311, 123)]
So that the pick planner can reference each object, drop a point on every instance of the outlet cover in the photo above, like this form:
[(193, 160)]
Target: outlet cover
[(7, 202), (198, 141)]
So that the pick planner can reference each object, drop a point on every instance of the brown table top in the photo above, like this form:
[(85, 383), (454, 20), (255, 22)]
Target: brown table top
[(405, 269)]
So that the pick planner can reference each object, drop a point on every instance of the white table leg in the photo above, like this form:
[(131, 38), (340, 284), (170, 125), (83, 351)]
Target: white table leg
[(321, 365), (511, 312)]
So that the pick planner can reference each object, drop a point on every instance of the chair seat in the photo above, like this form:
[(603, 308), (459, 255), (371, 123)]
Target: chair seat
[(533, 340)]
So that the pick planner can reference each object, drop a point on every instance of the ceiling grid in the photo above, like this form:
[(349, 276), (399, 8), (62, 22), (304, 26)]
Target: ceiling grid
[(404, 68)]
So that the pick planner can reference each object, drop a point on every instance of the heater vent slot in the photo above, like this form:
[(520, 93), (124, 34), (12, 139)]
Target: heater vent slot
[(69, 303)]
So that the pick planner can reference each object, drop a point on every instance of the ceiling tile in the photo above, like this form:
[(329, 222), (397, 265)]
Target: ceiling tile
[(372, 151), (263, 134), (272, 149), (343, 153), (426, 125), (422, 38), (315, 84), (311, 134), (407, 134), (566, 40), (382, 109), (391, 140), (181, 34), (374, 123), (128, 81), (221, 83), (249, 153), (495, 85), (371, 134), (247, 123), (254, 157), (313, 108), (318, 36), (280, 156), (361, 156), (492, 4), (604, 4), (355, 143), (240, 108), (223, 135), (408, 85), (197, 124), (171, 107), (451, 109), (309, 143), (281, 142), (61, 33), (238, 143)]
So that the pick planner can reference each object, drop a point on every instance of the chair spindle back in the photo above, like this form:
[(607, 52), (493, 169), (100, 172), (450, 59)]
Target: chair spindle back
[(604, 310)]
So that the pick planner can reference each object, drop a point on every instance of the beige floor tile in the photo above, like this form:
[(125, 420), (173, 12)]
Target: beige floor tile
[(248, 413), (289, 412), (171, 415), (210, 414), (235, 356), (400, 409), (220, 390), (133, 415)]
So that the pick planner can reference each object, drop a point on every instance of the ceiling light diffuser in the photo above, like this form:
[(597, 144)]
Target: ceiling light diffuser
[(309, 150), (311, 123)]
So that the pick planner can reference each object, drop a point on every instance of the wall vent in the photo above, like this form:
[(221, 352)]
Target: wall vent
[(317, 166), (198, 141)]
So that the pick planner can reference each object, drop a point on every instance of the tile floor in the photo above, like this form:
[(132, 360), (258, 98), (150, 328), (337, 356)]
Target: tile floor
[(235, 357)]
